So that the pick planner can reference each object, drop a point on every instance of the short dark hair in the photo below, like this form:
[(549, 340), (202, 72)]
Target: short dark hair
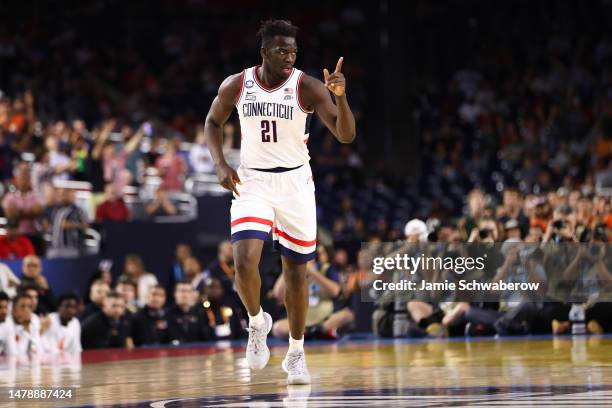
[(185, 281), (19, 296), (24, 287), (68, 296), (4, 297), (114, 295), (272, 27)]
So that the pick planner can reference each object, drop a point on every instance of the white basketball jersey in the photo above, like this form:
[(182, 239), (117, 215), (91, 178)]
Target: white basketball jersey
[(274, 124)]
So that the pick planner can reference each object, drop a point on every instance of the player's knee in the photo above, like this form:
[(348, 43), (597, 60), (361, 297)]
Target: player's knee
[(245, 264), (295, 277)]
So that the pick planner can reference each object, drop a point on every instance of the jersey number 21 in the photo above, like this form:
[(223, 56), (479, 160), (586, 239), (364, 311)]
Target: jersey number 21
[(265, 130)]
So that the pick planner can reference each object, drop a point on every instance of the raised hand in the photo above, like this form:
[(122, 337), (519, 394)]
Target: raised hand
[(336, 81)]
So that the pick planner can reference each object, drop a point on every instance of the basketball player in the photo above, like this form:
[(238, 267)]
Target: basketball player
[(273, 187)]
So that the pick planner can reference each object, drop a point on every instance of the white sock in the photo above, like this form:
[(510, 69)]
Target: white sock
[(257, 320), (296, 345)]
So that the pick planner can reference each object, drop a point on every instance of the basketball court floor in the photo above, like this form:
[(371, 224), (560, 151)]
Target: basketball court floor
[(527, 371)]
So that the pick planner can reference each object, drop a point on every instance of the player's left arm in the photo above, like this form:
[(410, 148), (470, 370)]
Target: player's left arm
[(338, 118)]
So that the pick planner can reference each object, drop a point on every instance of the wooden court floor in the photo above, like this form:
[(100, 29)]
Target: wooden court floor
[(549, 372)]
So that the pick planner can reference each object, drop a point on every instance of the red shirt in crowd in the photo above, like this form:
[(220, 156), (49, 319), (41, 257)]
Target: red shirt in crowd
[(17, 248), (112, 211)]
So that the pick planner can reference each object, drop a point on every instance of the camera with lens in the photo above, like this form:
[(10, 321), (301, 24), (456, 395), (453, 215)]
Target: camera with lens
[(485, 233), (559, 224)]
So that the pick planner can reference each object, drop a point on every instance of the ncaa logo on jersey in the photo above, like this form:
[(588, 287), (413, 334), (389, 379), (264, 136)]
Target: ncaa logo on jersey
[(249, 83)]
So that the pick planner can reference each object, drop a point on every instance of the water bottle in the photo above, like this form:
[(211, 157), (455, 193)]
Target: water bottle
[(576, 318), (400, 324), (400, 317)]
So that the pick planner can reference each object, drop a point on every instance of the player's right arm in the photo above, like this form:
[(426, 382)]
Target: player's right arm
[(220, 111)]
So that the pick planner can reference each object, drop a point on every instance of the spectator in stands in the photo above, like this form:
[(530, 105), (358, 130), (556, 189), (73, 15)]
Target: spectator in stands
[(64, 332), (193, 273), (59, 162), (24, 206), (512, 230), (128, 290), (181, 253), (161, 205), (27, 328), (113, 208), (68, 226), (13, 245), (226, 321), (134, 269), (476, 205), (8, 281), (223, 269), (109, 328), (187, 321), (150, 325), (513, 209), (199, 156), (8, 346), (115, 157), (33, 275), (98, 291), (171, 167)]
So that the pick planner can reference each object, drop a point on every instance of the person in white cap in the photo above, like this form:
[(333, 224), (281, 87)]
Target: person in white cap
[(415, 231)]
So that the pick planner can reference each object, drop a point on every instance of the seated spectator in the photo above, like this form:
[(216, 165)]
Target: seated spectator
[(8, 281), (98, 291), (68, 226), (24, 206), (128, 290), (8, 347), (134, 269), (113, 208), (193, 273), (13, 245), (150, 325), (33, 276), (227, 322), (109, 328), (64, 332), (171, 167), (27, 328), (223, 269), (186, 320), (182, 252), (161, 205)]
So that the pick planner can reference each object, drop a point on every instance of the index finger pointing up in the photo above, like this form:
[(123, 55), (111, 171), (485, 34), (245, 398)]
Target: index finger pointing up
[(339, 64)]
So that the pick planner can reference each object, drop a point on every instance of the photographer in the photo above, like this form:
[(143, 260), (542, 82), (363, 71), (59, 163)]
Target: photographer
[(587, 281), (437, 314), (517, 313)]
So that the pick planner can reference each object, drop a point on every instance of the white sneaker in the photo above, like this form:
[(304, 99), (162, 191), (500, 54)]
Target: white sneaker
[(294, 364), (257, 351)]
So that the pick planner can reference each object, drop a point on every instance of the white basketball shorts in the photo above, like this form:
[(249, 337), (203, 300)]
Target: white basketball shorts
[(281, 203)]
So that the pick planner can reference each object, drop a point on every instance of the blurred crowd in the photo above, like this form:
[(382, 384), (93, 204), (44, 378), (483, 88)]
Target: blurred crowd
[(134, 310)]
